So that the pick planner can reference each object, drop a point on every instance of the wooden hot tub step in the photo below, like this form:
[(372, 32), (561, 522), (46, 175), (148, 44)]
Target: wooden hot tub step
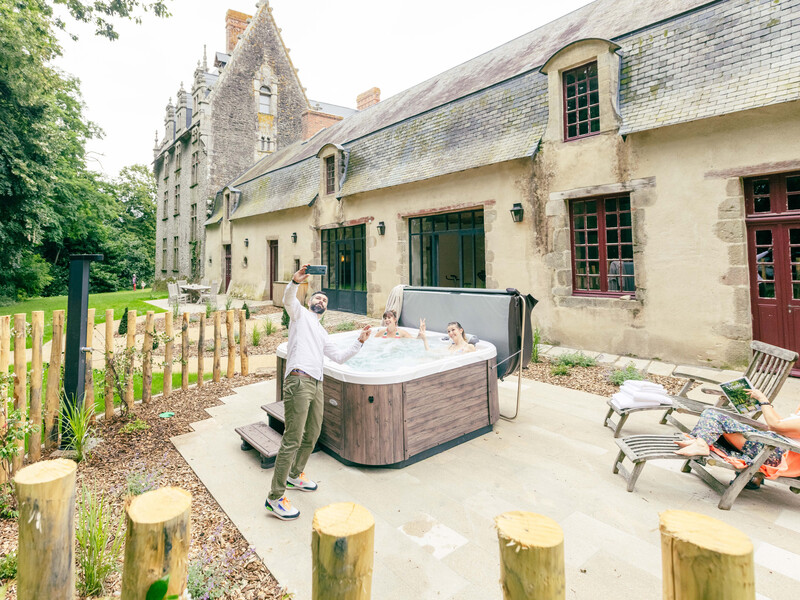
[(263, 438), (275, 415)]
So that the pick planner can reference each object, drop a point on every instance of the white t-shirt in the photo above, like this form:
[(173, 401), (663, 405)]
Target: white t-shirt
[(308, 340)]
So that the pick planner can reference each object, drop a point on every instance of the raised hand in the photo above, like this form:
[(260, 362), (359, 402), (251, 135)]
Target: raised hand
[(301, 275), (421, 328), (364, 335)]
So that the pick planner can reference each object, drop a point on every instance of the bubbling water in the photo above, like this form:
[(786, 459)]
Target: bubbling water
[(381, 355)]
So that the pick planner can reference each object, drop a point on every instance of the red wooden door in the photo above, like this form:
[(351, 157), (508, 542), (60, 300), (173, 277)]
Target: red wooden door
[(773, 230), (227, 266), (272, 263)]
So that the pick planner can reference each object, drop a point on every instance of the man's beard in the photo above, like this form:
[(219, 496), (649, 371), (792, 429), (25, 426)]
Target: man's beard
[(317, 308)]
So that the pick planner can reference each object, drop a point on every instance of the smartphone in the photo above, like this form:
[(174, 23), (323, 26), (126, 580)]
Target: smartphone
[(316, 269)]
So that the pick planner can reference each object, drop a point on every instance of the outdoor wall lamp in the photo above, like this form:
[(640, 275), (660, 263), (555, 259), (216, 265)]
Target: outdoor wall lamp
[(381, 227), (246, 242), (517, 212), (209, 260), (294, 238)]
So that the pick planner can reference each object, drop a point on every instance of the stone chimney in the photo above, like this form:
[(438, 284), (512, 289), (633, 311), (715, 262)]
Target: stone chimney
[(369, 98), (235, 24)]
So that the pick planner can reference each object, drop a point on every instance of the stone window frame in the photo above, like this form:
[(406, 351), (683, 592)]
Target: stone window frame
[(193, 223), (178, 154), (175, 254), (164, 255), (337, 153), (195, 168), (177, 206), (574, 56), (166, 204), (261, 96), (165, 169)]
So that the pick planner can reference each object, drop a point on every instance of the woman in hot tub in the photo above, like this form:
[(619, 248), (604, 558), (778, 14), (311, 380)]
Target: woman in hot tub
[(390, 329), (460, 343)]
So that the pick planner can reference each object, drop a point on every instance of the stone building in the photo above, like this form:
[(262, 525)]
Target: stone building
[(245, 106), (635, 165)]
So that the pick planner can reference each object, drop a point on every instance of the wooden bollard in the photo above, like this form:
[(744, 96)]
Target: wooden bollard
[(168, 354), (156, 542), (5, 354), (217, 346), (37, 338), (342, 549), (88, 379), (147, 358), (185, 352), (531, 556), (231, 343), (109, 346), (20, 385), (243, 359), (704, 558), (52, 397), (46, 546), (201, 341), (129, 349)]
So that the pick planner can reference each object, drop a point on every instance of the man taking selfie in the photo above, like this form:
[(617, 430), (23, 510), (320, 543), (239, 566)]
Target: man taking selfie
[(302, 393)]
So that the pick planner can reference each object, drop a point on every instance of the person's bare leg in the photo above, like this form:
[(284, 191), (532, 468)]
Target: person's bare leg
[(697, 448), (736, 440)]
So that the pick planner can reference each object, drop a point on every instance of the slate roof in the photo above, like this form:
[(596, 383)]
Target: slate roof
[(729, 57), (331, 109)]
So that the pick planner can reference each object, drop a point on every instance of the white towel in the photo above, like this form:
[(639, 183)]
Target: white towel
[(622, 401), (643, 385), (652, 397), (629, 389)]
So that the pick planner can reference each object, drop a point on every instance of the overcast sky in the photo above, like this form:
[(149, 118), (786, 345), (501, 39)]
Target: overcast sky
[(340, 48)]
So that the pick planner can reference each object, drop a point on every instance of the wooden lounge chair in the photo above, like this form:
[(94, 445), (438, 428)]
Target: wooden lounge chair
[(638, 449), (767, 371)]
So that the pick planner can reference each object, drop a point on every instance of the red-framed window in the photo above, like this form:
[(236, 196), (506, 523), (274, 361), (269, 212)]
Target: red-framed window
[(773, 195), (602, 246), (330, 174), (581, 101)]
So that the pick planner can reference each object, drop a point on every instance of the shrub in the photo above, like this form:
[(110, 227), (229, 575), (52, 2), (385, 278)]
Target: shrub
[(210, 309), (8, 565), (256, 335), (285, 318), (79, 419), (575, 359), (246, 310), (346, 326), (270, 327), (8, 503), (135, 425), (228, 302), (559, 369), (123, 322), (99, 542), (620, 376), (537, 339), (208, 573), (140, 481)]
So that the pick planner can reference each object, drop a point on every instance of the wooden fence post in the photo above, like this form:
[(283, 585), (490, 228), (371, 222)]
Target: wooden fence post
[(20, 385), (52, 400), (168, 354), (217, 345), (201, 341), (243, 359), (531, 556), (147, 358), (5, 354), (703, 558), (37, 339), (109, 382), (131, 354), (156, 542), (88, 396), (231, 343), (342, 548), (185, 352), (46, 546)]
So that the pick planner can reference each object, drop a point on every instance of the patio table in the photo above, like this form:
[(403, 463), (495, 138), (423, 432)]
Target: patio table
[(195, 290)]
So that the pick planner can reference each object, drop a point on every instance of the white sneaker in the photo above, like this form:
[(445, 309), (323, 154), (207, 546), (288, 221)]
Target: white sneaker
[(282, 508), (302, 483)]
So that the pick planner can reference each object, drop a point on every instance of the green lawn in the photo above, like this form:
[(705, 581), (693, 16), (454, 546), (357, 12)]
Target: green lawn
[(116, 300)]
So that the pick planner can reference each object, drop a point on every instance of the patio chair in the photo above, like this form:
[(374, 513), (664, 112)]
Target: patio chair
[(210, 295), (181, 283), (767, 371), (638, 449), (175, 298)]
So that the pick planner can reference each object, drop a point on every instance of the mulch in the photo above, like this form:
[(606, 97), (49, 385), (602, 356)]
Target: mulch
[(149, 451)]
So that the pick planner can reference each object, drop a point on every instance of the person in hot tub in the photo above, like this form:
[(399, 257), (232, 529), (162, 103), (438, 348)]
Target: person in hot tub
[(391, 330), (460, 343)]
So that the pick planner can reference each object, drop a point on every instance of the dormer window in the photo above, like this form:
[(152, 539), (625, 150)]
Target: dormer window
[(581, 101), (265, 100), (330, 174)]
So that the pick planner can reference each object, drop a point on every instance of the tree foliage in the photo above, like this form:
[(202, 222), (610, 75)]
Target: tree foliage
[(51, 204)]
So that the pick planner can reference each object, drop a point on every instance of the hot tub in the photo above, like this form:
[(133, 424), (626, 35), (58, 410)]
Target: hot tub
[(395, 418)]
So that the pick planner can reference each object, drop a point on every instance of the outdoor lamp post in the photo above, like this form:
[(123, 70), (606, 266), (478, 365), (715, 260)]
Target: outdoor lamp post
[(75, 351), (516, 212)]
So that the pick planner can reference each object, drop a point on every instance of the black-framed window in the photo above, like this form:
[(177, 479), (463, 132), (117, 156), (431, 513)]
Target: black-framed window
[(177, 200), (330, 174), (581, 101), (178, 154), (344, 252), (195, 166), (602, 246), (175, 263), (193, 226), (166, 205), (164, 255), (448, 250)]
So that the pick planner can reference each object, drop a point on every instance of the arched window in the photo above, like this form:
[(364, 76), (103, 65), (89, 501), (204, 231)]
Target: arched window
[(265, 100)]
